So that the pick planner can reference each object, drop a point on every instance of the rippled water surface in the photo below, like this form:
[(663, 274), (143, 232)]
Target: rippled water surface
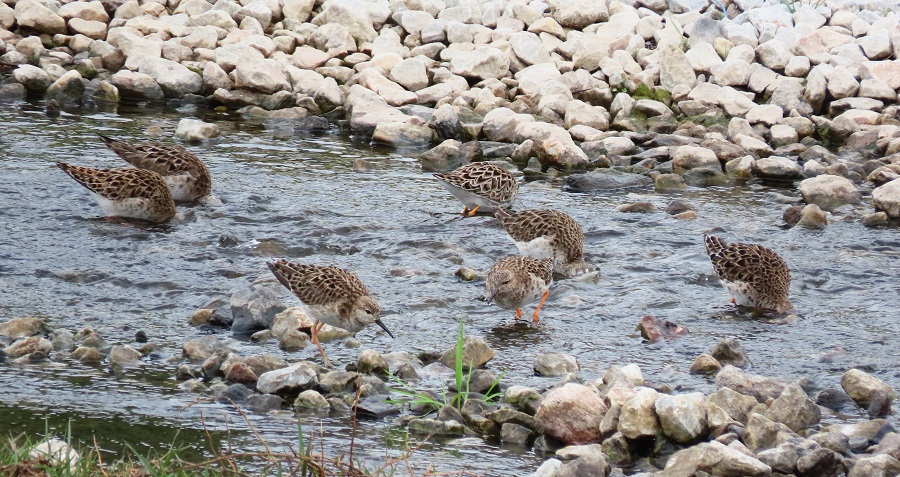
[(296, 196)]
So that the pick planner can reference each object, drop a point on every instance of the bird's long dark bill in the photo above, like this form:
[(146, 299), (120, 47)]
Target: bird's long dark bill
[(492, 297), (381, 324)]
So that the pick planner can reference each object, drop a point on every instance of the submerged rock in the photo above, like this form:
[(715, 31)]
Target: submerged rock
[(730, 352), (654, 329), (862, 386), (554, 364)]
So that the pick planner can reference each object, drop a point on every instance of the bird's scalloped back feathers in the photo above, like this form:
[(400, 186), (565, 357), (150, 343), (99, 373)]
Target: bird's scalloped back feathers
[(756, 265), (120, 184), (542, 269), (316, 285), (528, 225), (485, 179), (165, 161)]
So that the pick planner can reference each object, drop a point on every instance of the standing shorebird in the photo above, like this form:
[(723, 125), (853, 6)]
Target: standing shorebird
[(185, 174), (331, 296), (135, 193), (544, 233), (514, 282), (754, 275), (481, 186)]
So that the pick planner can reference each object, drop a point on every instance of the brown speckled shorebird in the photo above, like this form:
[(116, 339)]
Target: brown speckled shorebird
[(481, 186), (514, 282), (134, 193), (330, 296), (185, 174), (754, 275), (544, 233)]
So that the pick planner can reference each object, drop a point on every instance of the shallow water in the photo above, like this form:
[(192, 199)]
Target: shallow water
[(297, 197)]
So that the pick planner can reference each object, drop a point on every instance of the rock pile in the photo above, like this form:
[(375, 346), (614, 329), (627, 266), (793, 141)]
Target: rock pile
[(747, 89)]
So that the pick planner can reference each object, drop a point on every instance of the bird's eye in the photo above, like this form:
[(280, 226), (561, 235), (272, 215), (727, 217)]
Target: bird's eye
[(505, 282), (368, 312)]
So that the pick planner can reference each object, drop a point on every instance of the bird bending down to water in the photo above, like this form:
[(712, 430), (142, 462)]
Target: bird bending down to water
[(185, 174), (754, 275), (331, 296), (514, 282), (544, 233), (134, 193), (481, 186)]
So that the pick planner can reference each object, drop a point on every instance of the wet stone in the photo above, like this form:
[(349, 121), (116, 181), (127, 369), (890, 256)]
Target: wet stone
[(504, 415), (122, 355), (876, 466), (862, 386), (235, 393), (475, 353), (515, 434), (28, 346), (705, 364), (794, 409), (589, 465), (523, 399), (295, 378), (835, 399), (335, 382), (554, 364), (310, 399), (371, 362), (654, 329), (450, 413), (86, 354), (22, 327), (262, 403), (880, 405), (729, 351), (637, 207), (819, 463), (434, 427), (376, 407), (481, 381)]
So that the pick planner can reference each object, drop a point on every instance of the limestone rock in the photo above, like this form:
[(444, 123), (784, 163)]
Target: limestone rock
[(554, 364), (293, 379), (197, 130), (483, 63), (572, 414), (32, 14), (794, 409), (475, 353), (68, 89), (862, 386), (638, 417), (715, 458), (683, 416), (760, 387), (886, 197), (829, 191)]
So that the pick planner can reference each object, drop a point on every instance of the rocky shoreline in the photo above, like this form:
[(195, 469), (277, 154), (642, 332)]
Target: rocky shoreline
[(680, 92), (751, 425)]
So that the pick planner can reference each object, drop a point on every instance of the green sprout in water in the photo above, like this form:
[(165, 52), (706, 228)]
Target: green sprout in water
[(462, 380)]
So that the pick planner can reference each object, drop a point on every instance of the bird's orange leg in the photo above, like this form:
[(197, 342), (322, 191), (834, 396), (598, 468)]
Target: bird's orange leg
[(733, 302), (316, 327), (537, 311), (471, 213), (518, 313)]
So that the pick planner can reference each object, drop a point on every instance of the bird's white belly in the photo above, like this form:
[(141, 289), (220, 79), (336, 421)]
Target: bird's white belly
[(469, 199), (741, 293), (327, 314), (134, 208), (538, 248)]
